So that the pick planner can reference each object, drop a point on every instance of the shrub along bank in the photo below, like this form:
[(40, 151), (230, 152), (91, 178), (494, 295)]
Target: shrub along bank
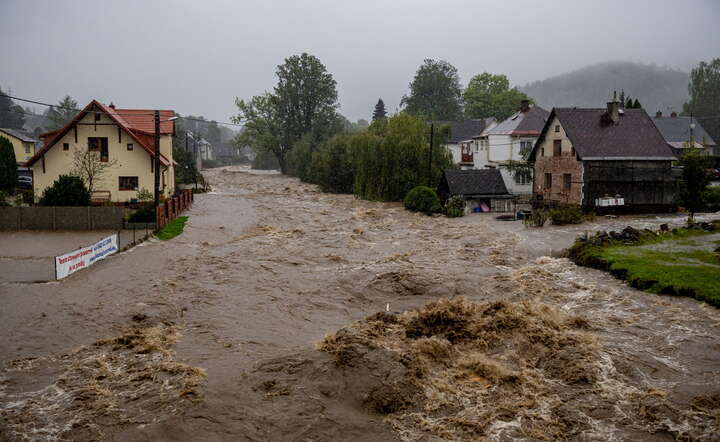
[(381, 163), (678, 262)]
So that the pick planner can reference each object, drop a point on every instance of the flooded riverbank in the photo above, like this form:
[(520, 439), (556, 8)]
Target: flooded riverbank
[(268, 266)]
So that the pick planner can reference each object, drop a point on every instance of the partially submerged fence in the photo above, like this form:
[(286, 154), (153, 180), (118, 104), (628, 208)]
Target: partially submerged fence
[(171, 208), (61, 218)]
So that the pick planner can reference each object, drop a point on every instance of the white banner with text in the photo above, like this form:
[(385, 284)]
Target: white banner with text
[(70, 263)]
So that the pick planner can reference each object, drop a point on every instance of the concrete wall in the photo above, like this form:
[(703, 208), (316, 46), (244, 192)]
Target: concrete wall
[(61, 218), (132, 163)]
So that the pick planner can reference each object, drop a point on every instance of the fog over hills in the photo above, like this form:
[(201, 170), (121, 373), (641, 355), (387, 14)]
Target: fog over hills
[(656, 87)]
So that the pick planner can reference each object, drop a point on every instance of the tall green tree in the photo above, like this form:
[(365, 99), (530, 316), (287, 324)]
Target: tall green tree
[(392, 157), (304, 103), (704, 91), (305, 97), (379, 113), (435, 92), (489, 95), (8, 166), (695, 178), (11, 114), (263, 128), (61, 114), (636, 104)]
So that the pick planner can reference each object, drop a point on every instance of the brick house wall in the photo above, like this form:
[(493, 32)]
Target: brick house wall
[(562, 165)]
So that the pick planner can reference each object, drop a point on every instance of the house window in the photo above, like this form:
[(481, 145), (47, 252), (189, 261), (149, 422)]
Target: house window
[(66, 146), (572, 152), (523, 176), (557, 148), (130, 146), (567, 181), (548, 181), (525, 148), (99, 144), (557, 128), (542, 151), (97, 116), (128, 183), (27, 148)]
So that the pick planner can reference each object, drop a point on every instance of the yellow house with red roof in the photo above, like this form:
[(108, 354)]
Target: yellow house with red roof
[(125, 138)]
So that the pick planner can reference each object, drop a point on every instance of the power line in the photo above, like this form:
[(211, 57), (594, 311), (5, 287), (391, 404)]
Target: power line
[(114, 113)]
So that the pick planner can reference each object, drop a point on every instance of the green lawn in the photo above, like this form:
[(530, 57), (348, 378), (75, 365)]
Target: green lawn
[(173, 228), (680, 265)]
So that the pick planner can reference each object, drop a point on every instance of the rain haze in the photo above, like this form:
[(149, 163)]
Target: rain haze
[(415, 221), (196, 57)]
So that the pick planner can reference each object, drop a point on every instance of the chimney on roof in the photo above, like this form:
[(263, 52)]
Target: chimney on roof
[(112, 106), (673, 114), (524, 106), (658, 114), (613, 111)]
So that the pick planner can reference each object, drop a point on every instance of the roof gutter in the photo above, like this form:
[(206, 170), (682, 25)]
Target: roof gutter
[(628, 158)]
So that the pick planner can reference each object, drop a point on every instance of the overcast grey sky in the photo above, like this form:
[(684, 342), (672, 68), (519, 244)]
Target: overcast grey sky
[(196, 56)]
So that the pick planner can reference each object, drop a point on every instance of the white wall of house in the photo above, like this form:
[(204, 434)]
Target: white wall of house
[(454, 149), (496, 150)]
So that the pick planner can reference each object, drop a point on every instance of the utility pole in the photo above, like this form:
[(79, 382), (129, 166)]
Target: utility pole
[(157, 158), (432, 133), (195, 159)]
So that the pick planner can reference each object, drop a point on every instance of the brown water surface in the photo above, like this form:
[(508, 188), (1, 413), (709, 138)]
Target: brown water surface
[(210, 336)]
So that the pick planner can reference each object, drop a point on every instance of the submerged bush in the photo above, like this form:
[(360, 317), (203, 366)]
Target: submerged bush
[(566, 214), (422, 199), (455, 206), (712, 198), (537, 218)]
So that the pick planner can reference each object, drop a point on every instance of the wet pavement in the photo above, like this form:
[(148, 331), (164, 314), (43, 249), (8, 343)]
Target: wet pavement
[(28, 255), (267, 266)]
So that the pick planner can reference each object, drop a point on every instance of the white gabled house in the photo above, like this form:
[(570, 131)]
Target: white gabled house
[(506, 143)]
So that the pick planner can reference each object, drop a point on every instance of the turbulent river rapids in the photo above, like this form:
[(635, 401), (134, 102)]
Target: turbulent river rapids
[(285, 313)]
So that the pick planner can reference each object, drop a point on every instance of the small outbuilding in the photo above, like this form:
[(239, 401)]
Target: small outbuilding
[(484, 190)]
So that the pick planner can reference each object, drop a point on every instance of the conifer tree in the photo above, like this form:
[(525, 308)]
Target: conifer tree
[(8, 166), (379, 113), (637, 105)]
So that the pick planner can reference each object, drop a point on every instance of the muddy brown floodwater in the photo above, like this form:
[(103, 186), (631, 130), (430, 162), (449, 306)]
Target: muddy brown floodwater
[(244, 328)]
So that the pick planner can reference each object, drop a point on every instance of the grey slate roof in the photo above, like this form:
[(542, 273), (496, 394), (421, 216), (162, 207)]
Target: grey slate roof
[(465, 130), (21, 134), (522, 123), (485, 182), (634, 137), (677, 130)]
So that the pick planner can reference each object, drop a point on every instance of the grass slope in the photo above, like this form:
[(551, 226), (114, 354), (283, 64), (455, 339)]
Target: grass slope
[(667, 266), (173, 228)]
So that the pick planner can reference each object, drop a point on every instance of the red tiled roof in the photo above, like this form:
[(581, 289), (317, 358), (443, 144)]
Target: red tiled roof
[(144, 120), (133, 121)]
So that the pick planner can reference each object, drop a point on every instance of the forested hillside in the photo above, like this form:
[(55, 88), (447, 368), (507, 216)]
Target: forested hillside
[(657, 88)]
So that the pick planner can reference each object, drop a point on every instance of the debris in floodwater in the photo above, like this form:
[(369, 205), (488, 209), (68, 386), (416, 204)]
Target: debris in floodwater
[(132, 378), (457, 369)]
